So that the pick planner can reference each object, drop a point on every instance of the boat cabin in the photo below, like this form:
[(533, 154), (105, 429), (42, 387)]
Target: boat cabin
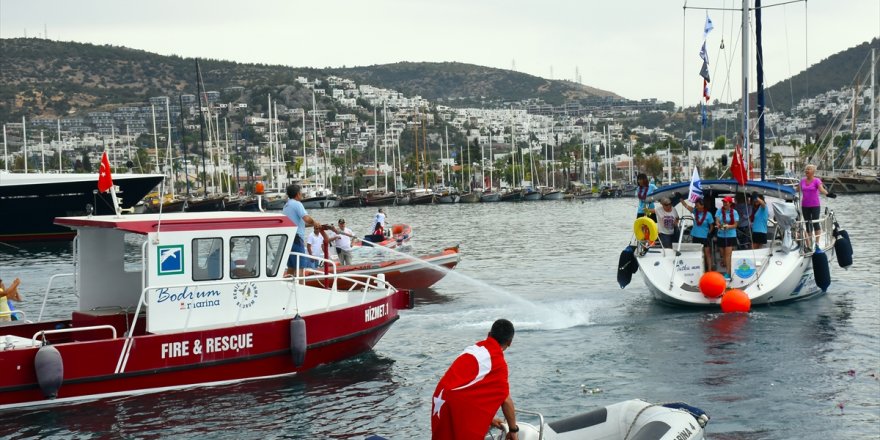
[(196, 270)]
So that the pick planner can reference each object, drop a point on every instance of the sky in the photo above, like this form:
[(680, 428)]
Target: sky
[(635, 48)]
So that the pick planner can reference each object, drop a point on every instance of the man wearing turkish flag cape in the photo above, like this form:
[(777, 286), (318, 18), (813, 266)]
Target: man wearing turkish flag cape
[(475, 385)]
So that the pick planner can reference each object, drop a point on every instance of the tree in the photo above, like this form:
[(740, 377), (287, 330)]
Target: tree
[(776, 165), (86, 163), (720, 143)]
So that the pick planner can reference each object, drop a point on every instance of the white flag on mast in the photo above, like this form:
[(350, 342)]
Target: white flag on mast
[(696, 191)]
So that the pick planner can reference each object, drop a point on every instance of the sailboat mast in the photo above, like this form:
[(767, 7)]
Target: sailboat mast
[(425, 150), (305, 158), (168, 160), (58, 121), (385, 139), (315, 131), (873, 107), (483, 163), (759, 52), (155, 136), (24, 142), (5, 152), (272, 181), (199, 87), (447, 156), (183, 146), (745, 79), (375, 149)]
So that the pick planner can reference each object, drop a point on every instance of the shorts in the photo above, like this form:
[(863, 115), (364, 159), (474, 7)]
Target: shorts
[(667, 239), (304, 262), (700, 240), (726, 241), (811, 213), (759, 237)]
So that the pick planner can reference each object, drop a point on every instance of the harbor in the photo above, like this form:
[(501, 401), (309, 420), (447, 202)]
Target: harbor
[(582, 341)]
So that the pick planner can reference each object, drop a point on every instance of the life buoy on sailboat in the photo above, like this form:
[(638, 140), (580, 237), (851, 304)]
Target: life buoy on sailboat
[(821, 271), (843, 248), (645, 229), (298, 344), (50, 370)]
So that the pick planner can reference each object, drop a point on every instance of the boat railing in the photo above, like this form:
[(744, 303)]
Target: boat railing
[(536, 414), (48, 288), (20, 313), (806, 239), (41, 335)]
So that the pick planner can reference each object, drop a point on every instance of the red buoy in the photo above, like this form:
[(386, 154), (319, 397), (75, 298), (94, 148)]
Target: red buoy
[(735, 300), (712, 284)]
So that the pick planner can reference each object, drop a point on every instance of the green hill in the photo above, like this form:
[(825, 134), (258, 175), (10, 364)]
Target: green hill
[(41, 77), (467, 82), (832, 73)]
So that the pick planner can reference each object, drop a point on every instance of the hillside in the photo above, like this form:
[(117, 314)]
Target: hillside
[(41, 77), (832, 73), (467, 82)]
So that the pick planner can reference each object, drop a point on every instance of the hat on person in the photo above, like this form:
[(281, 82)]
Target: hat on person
[(727, 199), (342, 220)]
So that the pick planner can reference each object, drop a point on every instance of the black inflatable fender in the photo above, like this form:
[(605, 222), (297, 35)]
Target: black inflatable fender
[(821, 271), (298, 345), (843, 249)]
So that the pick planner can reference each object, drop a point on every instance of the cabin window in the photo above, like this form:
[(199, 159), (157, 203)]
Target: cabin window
[(276, 249), (244, 257), (207, 259)]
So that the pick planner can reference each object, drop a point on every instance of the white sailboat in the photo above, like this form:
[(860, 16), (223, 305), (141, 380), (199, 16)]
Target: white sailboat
[(788, 268)]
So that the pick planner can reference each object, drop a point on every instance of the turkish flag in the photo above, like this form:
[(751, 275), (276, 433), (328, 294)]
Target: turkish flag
[(105, 180), (470, 393), (738, 168)]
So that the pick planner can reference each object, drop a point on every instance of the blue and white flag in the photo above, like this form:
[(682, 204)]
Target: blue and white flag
[(708, 27), (704, 118), (704, 55), (696, 192)]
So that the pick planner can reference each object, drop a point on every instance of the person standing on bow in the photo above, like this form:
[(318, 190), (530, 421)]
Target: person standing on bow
[(809, 189), (379, 222), (667, 222), (704, 221), (759, 217), (467, 398), (296, 212), (726, 220), (646, 209), (342, 237)]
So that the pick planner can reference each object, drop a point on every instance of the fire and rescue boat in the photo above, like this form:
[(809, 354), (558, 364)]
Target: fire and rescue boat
[(185, 300)]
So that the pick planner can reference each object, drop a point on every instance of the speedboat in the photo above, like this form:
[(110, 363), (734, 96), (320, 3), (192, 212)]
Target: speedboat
[(403, 273), (182, 300), (629, 420), (786, 269), (397, 235)]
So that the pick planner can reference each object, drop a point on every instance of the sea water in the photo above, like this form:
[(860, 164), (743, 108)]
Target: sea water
[(807, 370)]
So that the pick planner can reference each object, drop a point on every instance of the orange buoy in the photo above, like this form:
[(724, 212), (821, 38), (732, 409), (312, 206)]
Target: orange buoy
[(735, 300), (712, 284), (259, 188)]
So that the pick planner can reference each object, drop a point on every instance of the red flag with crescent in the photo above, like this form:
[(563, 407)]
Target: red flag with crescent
[(105, 180), (738, 167), (470, 393)]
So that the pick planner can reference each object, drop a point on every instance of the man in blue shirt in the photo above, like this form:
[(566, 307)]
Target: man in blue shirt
[(296, 212)]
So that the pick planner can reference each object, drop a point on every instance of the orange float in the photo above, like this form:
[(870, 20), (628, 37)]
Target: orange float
[(735, 300), (712, 284), (259, 188)]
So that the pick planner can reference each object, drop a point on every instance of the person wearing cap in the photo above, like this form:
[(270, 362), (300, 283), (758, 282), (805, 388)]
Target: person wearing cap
[(645, 209), (667, 222), (726, 220), (341, 238), (704, 221), (758, 219)]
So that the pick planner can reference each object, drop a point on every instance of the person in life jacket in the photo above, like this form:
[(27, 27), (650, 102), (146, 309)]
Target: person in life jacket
[(7, 295)]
